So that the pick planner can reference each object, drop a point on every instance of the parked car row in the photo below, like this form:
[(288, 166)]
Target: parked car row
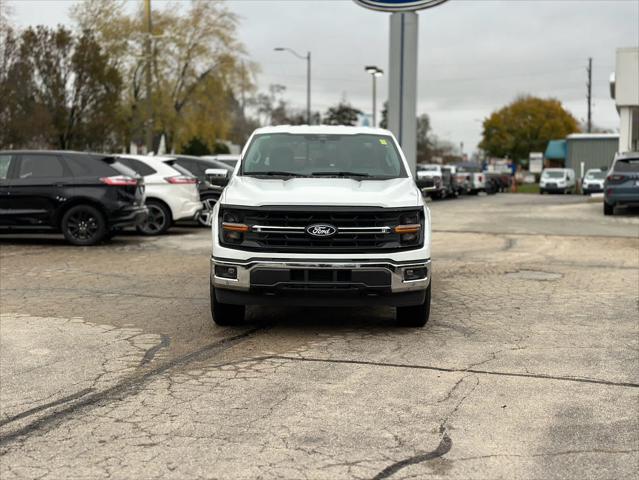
[(451, 181), (91, 197)]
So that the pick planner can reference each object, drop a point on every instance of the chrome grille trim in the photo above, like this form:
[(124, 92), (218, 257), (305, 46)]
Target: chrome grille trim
[(340, 230)]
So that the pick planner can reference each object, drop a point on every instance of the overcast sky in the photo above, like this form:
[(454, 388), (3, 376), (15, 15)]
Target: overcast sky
[(474, 55)]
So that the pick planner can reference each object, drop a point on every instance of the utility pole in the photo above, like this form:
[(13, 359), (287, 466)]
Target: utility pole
[(306, 57), (589, 86), (149, 60)]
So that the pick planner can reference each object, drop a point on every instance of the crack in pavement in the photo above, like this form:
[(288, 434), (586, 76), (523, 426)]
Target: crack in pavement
[(165, 341), (509, 244), (460, 370), (443, 448), (40, 408), (124, 388)]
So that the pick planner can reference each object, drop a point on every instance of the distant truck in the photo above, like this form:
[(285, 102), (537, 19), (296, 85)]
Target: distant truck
[(433, 178), (442, 181), (476, 179)]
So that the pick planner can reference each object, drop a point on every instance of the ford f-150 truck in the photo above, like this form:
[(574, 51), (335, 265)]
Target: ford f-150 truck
[(320, 216)]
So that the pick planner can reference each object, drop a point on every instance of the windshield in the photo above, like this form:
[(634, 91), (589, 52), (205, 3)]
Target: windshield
[(356, 156), (627, 165), (599, 175), (553, 174)]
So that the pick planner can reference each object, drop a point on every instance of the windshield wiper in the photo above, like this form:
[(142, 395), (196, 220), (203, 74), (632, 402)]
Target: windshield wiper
[(274, 174), (341, 174)]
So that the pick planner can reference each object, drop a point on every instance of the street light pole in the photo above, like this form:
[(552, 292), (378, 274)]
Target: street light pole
[(306, 57), (308, 87), (149, 100), (375, 72), (374, 100)]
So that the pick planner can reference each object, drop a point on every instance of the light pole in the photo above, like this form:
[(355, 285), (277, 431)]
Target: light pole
[(148, 80), (306, 57), (375, 72)]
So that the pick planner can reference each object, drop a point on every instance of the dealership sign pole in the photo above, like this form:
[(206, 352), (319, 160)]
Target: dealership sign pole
[(402, 65)]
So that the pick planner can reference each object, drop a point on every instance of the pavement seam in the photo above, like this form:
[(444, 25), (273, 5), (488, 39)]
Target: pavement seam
[(462, 370), (524, 234)]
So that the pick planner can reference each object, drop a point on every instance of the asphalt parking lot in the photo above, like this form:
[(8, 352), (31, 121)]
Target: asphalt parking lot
[(110, 366)]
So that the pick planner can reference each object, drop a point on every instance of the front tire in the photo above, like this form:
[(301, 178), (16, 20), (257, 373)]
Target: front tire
[(415, 316), (158, 221), (225, 314), (608, 209), (83, 225)]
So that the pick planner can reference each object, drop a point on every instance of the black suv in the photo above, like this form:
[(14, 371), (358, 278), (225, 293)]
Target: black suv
[(209, 193), (85, 196)]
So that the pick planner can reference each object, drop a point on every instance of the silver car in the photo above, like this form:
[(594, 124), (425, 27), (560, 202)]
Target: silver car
[(622, 182)]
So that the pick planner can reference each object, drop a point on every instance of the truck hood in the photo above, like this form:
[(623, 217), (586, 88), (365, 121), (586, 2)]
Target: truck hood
[(250, 191)]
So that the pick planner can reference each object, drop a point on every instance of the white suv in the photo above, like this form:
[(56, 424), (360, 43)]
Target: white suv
[(171, 191), (318, 216)]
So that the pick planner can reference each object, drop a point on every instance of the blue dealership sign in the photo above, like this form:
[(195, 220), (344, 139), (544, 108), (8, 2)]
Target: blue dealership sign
[(399, 5)]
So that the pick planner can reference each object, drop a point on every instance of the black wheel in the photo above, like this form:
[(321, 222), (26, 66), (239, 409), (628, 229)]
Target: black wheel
[(158, 221), (205, 217), (541, 192), (609, 209), (415, 316), (224, 314), (83, 225)]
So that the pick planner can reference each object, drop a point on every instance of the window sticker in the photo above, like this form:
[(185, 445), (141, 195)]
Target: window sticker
[(383, 141)]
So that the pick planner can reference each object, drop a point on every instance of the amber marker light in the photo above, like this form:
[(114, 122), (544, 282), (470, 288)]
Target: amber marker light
[(414, 228), (235, 227)]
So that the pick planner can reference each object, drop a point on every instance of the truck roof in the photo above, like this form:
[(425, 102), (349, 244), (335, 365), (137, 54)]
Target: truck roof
[(322, 129)]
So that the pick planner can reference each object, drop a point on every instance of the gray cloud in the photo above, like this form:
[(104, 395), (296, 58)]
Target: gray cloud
[(474, 55)]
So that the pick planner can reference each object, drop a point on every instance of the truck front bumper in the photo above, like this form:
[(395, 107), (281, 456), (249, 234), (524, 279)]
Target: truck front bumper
[(320, 282)]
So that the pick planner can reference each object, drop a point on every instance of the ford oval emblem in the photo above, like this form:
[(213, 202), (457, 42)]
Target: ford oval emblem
[(321, 230), (399, 5)]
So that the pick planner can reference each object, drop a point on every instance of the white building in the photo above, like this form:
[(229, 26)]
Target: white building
[(624, 87)]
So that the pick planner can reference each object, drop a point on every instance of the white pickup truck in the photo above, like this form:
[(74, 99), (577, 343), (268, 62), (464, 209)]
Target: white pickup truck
[(320, 216)]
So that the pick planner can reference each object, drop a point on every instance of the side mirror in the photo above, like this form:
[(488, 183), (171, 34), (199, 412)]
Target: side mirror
[(217, 176)]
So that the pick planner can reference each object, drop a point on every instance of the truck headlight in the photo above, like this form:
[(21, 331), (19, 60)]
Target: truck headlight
[(410, 229), (232, 229)]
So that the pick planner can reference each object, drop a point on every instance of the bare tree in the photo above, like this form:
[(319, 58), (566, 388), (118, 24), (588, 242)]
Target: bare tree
[(196, 64)]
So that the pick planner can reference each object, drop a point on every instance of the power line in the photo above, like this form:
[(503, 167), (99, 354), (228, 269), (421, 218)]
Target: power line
[(429, 80)]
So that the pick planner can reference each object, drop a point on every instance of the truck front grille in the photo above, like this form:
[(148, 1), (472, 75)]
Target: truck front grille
[(369, 230)]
